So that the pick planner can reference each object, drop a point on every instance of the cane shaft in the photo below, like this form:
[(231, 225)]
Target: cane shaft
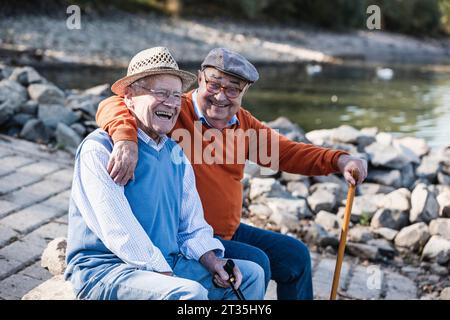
[(342, 242)]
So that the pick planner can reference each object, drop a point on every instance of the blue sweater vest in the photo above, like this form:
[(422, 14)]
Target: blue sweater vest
[(155, 198)]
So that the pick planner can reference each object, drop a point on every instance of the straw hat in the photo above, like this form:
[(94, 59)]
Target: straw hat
[(157, 60)]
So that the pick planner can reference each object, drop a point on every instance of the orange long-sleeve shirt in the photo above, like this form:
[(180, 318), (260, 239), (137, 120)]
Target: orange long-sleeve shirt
[(219, 184)]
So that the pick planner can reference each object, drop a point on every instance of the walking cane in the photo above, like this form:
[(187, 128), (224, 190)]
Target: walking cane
[(344, 230), (229, 269)]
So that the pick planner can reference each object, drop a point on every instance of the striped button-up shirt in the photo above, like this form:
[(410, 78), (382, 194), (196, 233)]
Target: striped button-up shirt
[(110, 216)]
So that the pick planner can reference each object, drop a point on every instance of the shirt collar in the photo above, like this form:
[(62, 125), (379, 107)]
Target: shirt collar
[(201, 117), (149, 141)]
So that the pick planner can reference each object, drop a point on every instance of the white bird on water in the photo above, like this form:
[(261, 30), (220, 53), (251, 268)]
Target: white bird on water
[(385, 73), (312, 69)]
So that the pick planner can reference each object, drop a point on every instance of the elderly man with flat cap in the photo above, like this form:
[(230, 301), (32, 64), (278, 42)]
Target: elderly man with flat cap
[(147, 240), (215, 106)]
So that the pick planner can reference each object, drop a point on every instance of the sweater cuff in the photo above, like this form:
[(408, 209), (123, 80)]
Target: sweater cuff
[(124, 134), (335, 158)]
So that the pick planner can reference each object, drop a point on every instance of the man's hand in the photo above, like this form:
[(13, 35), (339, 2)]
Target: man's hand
[(215, 267), (122, 162), (347, 163)]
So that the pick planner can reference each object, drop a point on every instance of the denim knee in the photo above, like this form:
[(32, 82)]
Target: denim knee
[(262, 260), (189, 290), (300, 259)]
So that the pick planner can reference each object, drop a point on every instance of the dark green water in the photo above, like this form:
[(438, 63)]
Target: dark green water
[(414, 103)]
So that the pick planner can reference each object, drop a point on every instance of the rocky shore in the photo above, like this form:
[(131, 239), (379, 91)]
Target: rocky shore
[(400, 217), (113, 39)]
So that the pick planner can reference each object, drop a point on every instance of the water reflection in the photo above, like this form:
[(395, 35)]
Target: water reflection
[(413, 103)]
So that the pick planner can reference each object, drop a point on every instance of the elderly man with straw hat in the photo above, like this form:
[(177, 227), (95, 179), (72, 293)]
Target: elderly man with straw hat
[(148, 239), (211, 111)]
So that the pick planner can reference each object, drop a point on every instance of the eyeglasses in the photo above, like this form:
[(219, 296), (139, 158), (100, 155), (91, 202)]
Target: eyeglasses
[(216, 87), (163, 95)]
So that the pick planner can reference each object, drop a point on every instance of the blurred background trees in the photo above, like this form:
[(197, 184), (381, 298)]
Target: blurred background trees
[(417, 17)]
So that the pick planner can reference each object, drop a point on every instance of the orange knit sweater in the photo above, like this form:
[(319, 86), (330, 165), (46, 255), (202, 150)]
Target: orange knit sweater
[(219, 185)]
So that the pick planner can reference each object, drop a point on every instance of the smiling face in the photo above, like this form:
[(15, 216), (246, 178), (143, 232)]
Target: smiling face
[(146, 98), (218, 108)]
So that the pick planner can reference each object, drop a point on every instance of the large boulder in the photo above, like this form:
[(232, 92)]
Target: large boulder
[(52, 114), (387, 218), (437, 248), (382, 155), (440, 227), (12, 96), (424, 206), (287, 128), (261, 188), (46, 93), (35, 130), (413, 237), (26, 76), (286, 213)]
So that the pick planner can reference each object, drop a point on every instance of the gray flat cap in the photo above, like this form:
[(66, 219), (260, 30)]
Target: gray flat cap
[(232, 63)]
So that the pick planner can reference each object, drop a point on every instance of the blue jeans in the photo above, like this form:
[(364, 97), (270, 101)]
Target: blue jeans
[(120, 281), (284, 259)]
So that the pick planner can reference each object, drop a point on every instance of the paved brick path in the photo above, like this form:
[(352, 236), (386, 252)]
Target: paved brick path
[(34, 193)]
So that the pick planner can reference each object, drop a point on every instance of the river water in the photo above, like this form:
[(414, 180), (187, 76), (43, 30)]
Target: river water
[(415, 102)]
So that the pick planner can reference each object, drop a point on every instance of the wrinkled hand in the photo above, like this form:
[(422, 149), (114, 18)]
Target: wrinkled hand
[(122, 162), (346, 165), (220, 276)]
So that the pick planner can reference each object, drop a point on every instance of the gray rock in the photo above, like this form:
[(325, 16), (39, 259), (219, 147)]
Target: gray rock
[(385, 248), (439, 270), (21, 118), (261, 188), (12, 96), (386, 156), (413, 237), (387, 218), (288, 212), (408, 176), (53, 257), (55, 288), (424, 206), (363, 141), (29, 107), (363, 251), (410, 156), (35, 130), (365, 206), (391, 178), (79, 129), (345, 134), (66, 136), (443, 200), (437, 248), (384, 138), (260, 210), (46, 93), (319, 137), (52, 114), (445, 294), (291, 177), (316, 234), (398, 200), (443, 178), (360, 234), (322, 200), (291, 130), (369, 131), (100, 90), (428, 168), (26, 76), (386, 233), (440, 227), (373, 188), (298, 189), (327, 220), (418, 146)]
